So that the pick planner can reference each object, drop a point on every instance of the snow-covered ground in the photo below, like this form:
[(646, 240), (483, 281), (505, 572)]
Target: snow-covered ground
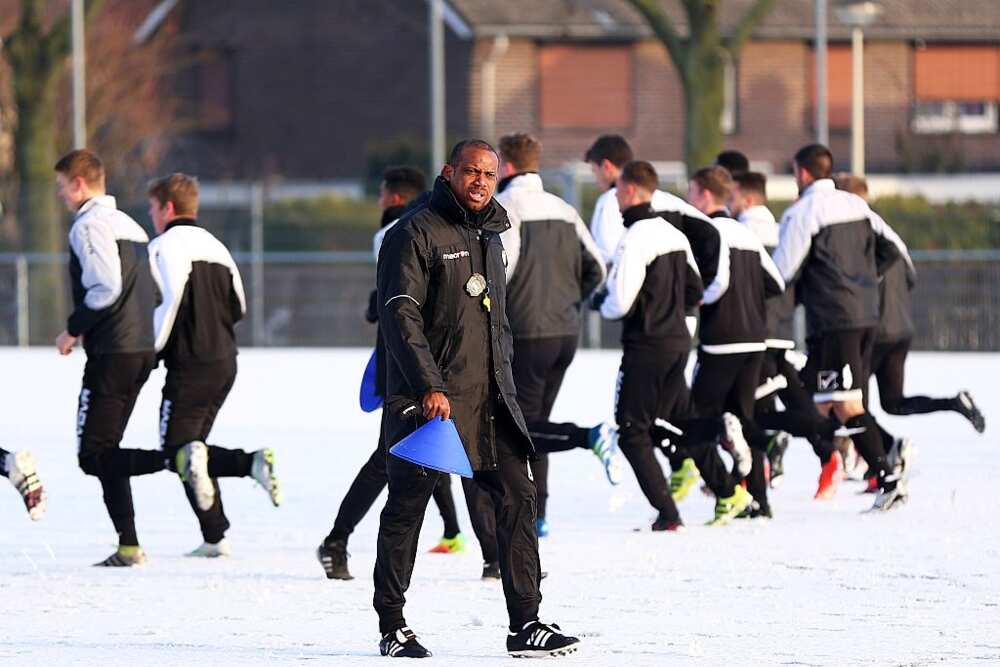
[(820, 584)]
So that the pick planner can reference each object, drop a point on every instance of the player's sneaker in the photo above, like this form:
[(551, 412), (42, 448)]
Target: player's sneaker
[(968, 409), (192, 466), (829, 477), (540, 640), (402, 643), (733, 442), (491, 570), (855, 466), (124, 557), (668, 524), (450, 545), (890, 499), (333, 557), (262, 470), (23, 475), (221, 549), (776, 449), (683, 480), (726, 509), (541, 527), (604, 444), (900, 457)]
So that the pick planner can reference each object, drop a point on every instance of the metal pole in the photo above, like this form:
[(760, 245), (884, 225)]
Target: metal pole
[(257, 262), (79, 76), (436, 30), (858, 102), (23, 308), (822, 119)]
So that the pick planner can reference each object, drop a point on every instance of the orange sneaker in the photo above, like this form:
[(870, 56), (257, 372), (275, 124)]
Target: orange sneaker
[(454, 545), (830, 476)]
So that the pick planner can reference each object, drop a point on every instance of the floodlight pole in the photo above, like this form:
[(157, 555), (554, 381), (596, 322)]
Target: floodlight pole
[(822, 110), (436, 33), (858, 101), (79, 76)]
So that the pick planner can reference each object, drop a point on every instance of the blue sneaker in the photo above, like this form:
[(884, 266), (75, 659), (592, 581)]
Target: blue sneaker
[(541, 527)]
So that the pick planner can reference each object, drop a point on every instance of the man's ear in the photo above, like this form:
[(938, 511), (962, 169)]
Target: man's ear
[(447, 172)]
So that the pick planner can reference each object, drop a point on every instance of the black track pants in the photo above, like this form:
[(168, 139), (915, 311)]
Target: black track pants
[(111, 384), (512, 491)]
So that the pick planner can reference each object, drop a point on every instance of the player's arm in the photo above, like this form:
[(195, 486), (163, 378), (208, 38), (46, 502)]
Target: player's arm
[(595, 271), (628, 273), (171, 271), (101, 274)]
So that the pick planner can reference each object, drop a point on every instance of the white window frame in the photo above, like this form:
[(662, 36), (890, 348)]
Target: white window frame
[(949, 118), (727, 122)]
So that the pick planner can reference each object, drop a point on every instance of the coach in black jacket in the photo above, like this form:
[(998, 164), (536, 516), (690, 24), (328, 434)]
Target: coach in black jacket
[(441, 291)]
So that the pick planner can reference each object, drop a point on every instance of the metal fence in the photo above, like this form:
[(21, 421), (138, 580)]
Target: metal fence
[(319, 299)]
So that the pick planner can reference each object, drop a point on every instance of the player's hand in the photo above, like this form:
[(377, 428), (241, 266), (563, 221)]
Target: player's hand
[(65, 343), (436, 405)]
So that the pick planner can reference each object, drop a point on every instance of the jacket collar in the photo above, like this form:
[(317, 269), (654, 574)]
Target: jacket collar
[(180, 222), (492, 217), (634, 214), (758, 213), (819, 185), (526, 179), (721, 213), (100, 200), (392, 213)]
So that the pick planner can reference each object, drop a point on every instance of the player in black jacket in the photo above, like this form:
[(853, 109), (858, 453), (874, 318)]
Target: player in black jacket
[(833, 249), (400, 188), (20, 470), (203, 299), (114, 297), (442, 310)]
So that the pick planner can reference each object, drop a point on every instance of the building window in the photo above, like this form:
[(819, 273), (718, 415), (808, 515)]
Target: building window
[(585, 86), (729, 96), (839, 80), (956, 89)]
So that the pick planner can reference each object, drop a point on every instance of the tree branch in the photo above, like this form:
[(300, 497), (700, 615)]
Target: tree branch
[(746, 26), (664, 30)]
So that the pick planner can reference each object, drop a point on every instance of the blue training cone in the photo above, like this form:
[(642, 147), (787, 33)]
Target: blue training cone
[(368, 396), (435, 445)]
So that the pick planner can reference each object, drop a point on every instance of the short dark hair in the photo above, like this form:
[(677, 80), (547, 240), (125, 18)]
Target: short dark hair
[(407, 182), (640, 173), (735, 161), (521, 150), (716, 180), (851, 183), (611, 147), (816, 159), (82, 163), (752, 182), (459, 148), (179, 189)]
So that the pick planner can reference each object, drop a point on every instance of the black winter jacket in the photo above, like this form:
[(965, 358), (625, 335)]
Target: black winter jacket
[(895, 320), (439, 338), (833, 247), (553, 263), (114, 295)]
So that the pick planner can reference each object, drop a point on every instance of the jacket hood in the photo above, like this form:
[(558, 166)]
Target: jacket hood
[(492, 217)]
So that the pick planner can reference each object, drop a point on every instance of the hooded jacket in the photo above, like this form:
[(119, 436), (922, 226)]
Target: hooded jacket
[(438, 336)]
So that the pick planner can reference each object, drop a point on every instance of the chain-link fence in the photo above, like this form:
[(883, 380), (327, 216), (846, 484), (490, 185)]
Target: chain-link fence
[(319, 299)]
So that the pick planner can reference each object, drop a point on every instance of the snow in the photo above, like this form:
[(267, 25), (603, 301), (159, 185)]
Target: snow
[(819, 585)]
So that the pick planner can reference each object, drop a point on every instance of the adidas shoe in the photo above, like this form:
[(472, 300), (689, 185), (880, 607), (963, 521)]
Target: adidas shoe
[(890, 499), (968, 409), (333, 557), (540, 640), (491, 570), (125, 556), (726, 509), (776, 449), (604, 444), (683, 480), (262, 470), (734, 443), (192, 466), (23, 475), (541, 527), (829, 477), (402, 643), (450, 545), (221, 549)]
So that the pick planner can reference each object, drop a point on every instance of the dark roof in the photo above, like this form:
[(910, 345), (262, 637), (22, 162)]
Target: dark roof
[(929, 20)]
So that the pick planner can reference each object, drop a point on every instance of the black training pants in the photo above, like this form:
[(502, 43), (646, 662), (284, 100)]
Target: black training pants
[(193, 394), (513, 493), (111, 384)]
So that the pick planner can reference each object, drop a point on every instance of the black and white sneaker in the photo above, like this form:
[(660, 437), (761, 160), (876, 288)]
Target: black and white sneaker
[(402, 643), (733, 442), (900, 457), (968, 409), (20, 469), (333, 557), (540, 640), (491, 570)]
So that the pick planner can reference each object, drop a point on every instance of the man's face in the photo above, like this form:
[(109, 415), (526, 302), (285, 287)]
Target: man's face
[(71, 191), (474, 178), (624, 193), (802, 177), (159, 214), (388, 199), (696, 196), (605, 173), (737, 202)]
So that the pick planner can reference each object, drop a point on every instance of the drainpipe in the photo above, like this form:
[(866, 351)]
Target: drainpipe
[(488, 83)]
